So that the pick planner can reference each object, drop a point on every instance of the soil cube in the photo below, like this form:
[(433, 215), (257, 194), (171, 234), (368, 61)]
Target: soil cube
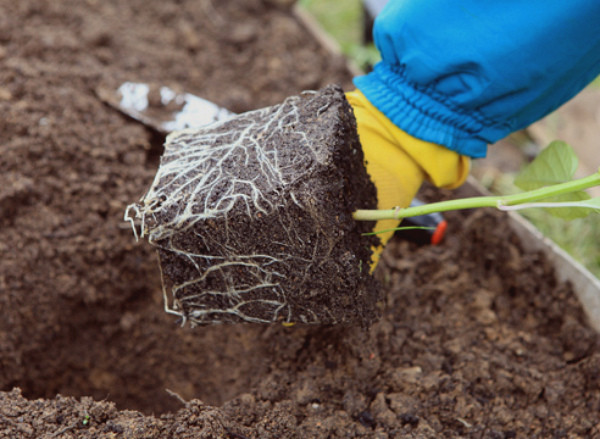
[(252, 217)]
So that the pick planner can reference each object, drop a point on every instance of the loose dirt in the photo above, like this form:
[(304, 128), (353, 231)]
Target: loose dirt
[(477, 337)]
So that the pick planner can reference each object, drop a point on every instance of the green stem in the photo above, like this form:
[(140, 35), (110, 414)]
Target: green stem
[(474, 202)]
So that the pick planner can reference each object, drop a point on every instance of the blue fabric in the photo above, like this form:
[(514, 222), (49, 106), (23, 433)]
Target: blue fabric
[(465, 73)]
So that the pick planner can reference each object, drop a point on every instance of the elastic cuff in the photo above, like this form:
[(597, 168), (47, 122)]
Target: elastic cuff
[(424, 115), (441, 166)]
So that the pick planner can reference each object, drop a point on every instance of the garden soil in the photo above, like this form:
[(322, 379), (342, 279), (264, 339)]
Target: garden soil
[(477, 337)]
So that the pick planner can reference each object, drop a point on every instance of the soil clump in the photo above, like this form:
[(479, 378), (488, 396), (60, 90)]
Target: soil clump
[(252, 217)]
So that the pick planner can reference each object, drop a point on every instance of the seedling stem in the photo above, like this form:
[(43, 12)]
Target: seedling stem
[(505, 202)]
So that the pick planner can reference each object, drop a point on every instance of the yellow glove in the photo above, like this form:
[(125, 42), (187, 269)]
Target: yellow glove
[(398, 163)]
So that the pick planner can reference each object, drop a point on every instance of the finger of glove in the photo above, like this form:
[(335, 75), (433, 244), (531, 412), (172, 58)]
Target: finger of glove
[(395, 174)]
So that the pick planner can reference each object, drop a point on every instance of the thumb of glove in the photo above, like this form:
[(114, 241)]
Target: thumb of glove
[(398, 163)]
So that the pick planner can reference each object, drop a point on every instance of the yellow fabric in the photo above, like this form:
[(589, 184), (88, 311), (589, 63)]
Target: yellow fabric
[(398, 162)]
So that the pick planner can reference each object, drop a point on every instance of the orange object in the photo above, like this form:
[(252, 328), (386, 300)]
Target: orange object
[(439, 233)]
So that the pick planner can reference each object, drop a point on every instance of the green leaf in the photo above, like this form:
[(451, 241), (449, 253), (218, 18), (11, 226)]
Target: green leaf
[(592, 203), (569, 213), (555, 164)]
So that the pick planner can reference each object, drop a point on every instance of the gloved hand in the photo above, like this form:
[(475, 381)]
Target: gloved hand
[(398, 163)]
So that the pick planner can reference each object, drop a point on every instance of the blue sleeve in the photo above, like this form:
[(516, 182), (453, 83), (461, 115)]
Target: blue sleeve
[(465, 73)]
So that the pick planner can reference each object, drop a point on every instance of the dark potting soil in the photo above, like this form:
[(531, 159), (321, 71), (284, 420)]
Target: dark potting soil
[(477, 337), (252, 217)]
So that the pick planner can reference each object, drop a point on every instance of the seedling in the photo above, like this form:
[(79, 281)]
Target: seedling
[(255, 217), (548, 183)]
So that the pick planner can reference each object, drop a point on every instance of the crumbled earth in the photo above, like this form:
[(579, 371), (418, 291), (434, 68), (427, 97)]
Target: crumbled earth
[(477, 337)]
